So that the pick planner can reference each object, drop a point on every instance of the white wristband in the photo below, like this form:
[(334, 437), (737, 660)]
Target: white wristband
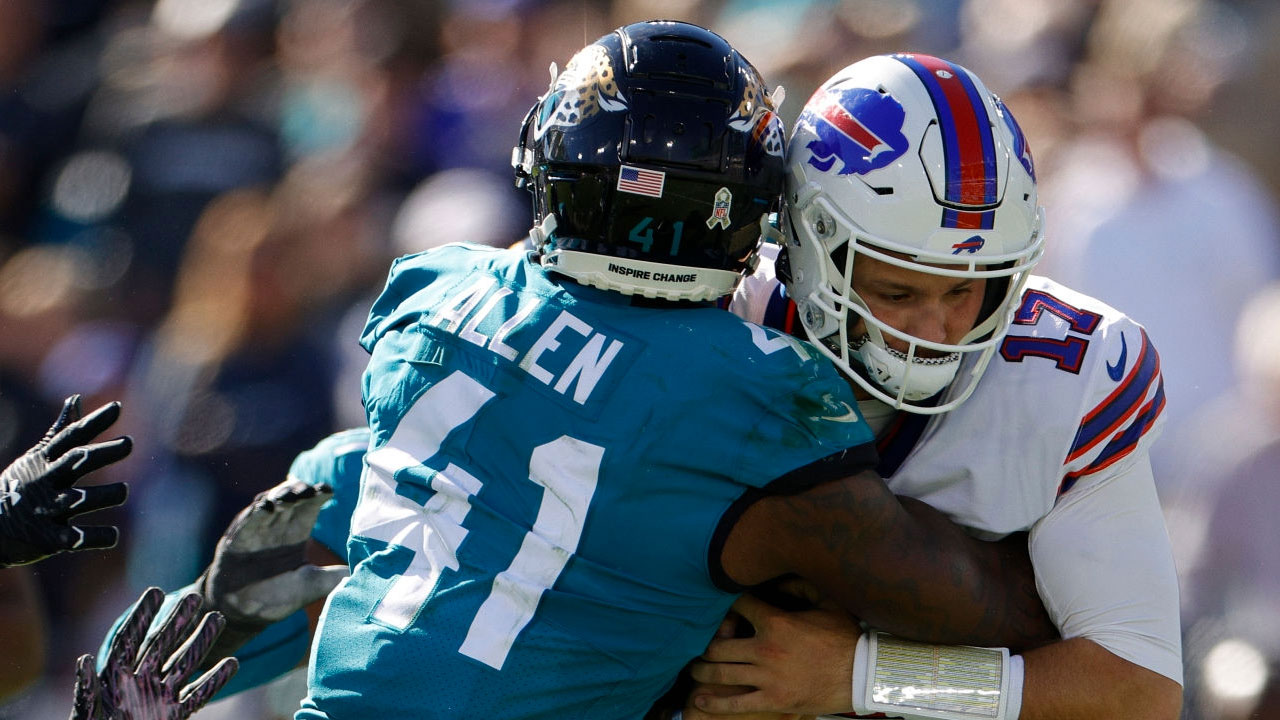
[(917, 681), (860, 674), (1013, 706)]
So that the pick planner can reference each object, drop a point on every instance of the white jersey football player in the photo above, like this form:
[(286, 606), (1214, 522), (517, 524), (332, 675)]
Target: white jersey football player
[(1004, 399)]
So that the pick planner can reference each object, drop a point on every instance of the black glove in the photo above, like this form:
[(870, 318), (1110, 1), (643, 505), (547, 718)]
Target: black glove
[(38, 497), (147, 680), (260, 574)]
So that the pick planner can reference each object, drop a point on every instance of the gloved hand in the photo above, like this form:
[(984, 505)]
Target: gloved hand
[(38, 497), (260, 574), (148, 680)]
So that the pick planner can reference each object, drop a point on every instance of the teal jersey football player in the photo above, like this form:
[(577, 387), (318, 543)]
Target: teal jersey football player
[(577, 462), (549, 471)]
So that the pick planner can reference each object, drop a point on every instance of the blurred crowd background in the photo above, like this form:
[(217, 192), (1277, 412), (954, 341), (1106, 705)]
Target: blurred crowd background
[(198, 199)]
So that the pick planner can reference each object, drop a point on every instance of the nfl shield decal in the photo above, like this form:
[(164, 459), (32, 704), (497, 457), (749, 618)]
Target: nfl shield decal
[(720, 211), (858, 128)]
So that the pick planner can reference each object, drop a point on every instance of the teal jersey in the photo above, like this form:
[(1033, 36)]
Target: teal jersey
[(336, 461), (538, 515)]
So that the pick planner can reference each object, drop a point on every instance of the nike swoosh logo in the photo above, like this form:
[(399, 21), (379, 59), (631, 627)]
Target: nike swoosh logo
[(1117, 371), (850, 415)]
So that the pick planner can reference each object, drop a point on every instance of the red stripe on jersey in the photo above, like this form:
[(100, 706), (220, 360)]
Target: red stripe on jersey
[(1152, 412), (1138, 371)]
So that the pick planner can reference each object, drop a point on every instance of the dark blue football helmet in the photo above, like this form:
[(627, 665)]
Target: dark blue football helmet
[(652, 159)]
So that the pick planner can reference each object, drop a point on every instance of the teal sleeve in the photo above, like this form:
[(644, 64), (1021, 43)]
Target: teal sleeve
[(272, 653), (337, 460), (282, 646)]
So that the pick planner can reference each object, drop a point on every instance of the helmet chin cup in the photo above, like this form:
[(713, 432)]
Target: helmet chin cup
[(901, 378)]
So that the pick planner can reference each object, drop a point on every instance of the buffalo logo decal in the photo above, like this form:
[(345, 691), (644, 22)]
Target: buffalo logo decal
[(860, 128), (971, 246)]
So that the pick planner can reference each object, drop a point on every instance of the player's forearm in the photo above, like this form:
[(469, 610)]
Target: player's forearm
[(988, 589), (896, 563), (1078, 678)]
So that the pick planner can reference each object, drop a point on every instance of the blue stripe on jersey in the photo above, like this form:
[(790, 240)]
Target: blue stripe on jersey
[(777, 309), (1121, 404), (1124, 443)]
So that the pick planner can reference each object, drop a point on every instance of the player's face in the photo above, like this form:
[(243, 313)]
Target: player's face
[(931, 307)]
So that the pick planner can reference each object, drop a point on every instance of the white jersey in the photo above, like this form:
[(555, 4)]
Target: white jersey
[(1054, 440)]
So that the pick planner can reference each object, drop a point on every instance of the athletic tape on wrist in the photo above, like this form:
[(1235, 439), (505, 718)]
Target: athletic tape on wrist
[(915, 680)]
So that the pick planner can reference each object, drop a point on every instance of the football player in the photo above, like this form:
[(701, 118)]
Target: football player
[(578, 462), (1009, 402)]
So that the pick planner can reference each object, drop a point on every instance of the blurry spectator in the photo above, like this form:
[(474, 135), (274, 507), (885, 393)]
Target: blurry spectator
[(350, 71), (463, 204), (38, 306), (1024, 42), (46, 75), (187, 111), (477, 91), (1145, 213), (234, 382), (1231, 598)]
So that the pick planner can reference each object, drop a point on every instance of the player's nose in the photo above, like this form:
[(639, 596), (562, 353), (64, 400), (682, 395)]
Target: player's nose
[(929, 322)]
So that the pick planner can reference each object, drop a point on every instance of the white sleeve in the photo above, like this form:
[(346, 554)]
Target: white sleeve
[(1104, 567), (755, 292)]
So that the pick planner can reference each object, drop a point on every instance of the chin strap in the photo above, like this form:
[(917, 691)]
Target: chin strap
[(914, 380)]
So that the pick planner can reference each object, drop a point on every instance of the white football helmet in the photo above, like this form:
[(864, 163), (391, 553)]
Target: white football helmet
[(908, 159)]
